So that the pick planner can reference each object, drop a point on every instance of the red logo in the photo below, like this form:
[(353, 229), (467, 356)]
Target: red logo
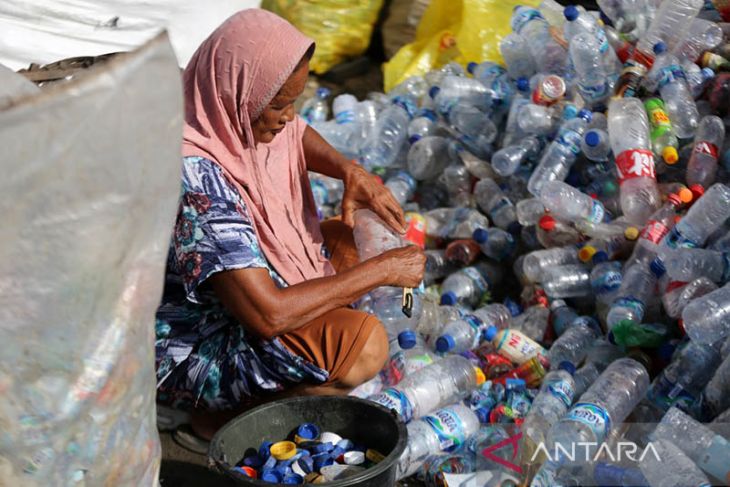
[(635, 163), (512, 440), (704, 147)]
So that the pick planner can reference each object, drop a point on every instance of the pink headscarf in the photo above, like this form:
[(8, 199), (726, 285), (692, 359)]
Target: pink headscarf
[(229, 81)]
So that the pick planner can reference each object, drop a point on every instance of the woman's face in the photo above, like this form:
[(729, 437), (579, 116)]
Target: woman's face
[(280, 110)]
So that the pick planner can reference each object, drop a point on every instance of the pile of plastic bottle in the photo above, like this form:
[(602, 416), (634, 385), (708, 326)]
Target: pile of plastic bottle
[(576, 221)]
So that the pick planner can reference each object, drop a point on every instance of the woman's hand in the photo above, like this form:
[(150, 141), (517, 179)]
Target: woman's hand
[(403, 267), (362, 190)]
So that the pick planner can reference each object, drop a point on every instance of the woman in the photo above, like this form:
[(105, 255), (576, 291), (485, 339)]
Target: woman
[(252, 306)]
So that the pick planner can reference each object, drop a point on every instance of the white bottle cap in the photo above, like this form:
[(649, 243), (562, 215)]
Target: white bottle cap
[(329, 437), (354, 457)]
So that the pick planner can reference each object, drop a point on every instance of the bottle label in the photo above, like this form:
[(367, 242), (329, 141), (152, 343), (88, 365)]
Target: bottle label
[(593, 92), (665, 394), (570, 139), (654, 231), (563, 390), (345, 116), (593, 416), (518, 347), (448, 427), (659, 121), (670, 74), (714, 460), (676, 240), (474, 322), (525, 15), (394, 399), (598, 212), (636, 306), (607, 283), (630, 78), (635, 163), (705, 147), (393, 371), (481, 283)]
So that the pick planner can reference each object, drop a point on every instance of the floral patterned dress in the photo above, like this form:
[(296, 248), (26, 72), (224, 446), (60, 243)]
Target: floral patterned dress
[(204, 358)]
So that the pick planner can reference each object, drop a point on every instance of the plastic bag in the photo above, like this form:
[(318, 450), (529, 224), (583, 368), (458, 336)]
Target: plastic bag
[(341, 28), (89, 194), (453, 30)]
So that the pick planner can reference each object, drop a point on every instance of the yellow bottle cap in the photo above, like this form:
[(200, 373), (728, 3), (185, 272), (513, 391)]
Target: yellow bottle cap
[(586, 253), (283, 450), (670, 156), (374, 456), (631, 233), (481, 378), (685, 194)]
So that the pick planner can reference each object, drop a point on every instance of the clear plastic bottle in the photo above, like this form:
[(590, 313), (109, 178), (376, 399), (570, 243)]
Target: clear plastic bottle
[(387, 138), (568, 281), (534, 119), (429, 156), (689, 264), (472, 122), (423, 125), (513, 344), (671, 468), (606, 278), (512, 132), (585, 376), (556, 233), (507, 160), (596, 145), (444, 430), (465, 333), (344, 132), (437, 266), (517, 56), (594, 84), (572, 346), (606, 403), (538, 261), (663, 141), (402, 185), (495, 242), (469, 285), (457, 89), (637, 288), (579, 23), (702, 165), (532, 322), (529, 211), (561, 316), (628, 127), (406, 361), (697, 79), (707, 319), (547, 53), (657, 227), (716, 396), (705, 216), (453, 223), (670, 24), (702, 35), (702, 445), (496, 204), (551, 403), (672, 85), (458, 181), (693, 290), (560, 155), (570, 204), (316, 109)]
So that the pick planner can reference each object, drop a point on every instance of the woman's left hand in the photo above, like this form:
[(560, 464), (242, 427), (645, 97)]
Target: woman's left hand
[(362, 190)]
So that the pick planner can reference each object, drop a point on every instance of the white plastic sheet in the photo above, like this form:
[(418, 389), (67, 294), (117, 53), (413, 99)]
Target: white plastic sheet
[(88, 194), (13, 85), (43, 31)]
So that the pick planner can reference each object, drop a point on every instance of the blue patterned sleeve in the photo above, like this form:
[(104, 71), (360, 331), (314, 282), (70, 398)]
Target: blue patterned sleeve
[(213, 231)]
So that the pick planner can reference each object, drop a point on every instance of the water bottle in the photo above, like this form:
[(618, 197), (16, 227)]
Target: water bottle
[(423, 125), (663, 141), (496, 204), (702, 445), (513, 344), (402, 185), (672, 84), (444, 430), (431, 387), (689, 264), (627, 15), (538, 261), (697, 79), (469, 285), (702, 35), (437, 266), (458, 181), (405, 362), (387, 138), (670, 24), (470, 121), (560, 155), (517, 56), (670, 467), (495, 242), (534, 119), (585, 26), (315, 109), (507, 160), (455, 90), (568, 281), (707, 319), (570, 204), (453, 223), (703, 218), (691, 291), (344, 133), (512, 132), (464, 334), (605, 404), (561, 316), (556, 233), (702, 165), (585, 376), (434, 317), (606, 279), (572, 346), (529, 211), (551, 403), (593, 82), (596, 145), (429, 156), (716, 396), (532, 322), (682, 381), (547, 53), (637, 288), (628, 127)]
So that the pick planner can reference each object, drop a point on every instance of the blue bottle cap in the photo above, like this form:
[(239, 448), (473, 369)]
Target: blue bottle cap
[(514, 228), (264, 450), (345, 444), (586, 115), (515, 383), (308, 431), (414, 138), (306, 464), (523, 84), (480, 235), (513, 306), (322, 460), (337, 452), (253, 461), (320, 448), (571, 13), (323, 92), (271, 476), (490, 333), (599, 257), (471, 67), (570, 111), (407, 339), (283, 467), (444, 343), (483, 414), (567, 366), (429, 114), (708, 73), (293, 478), (592, 138), (605, 19), (657, 267), (434, 91), (448, 298), (270, 463), (659, 48)]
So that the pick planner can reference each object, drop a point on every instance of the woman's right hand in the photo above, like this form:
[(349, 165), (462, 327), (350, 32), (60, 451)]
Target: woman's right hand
[(404, 266)]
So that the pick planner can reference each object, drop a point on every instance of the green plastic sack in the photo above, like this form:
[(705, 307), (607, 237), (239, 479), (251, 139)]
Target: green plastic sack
[(453, 30), (341, 28)]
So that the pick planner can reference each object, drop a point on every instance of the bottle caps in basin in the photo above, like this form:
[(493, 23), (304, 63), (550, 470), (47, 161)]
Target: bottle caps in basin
[(283, 450)]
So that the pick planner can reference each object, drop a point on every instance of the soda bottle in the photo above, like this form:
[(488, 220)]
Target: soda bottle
[(570, 204), (463, 251), (702, 166), (464, 334), (663, 141), (517, 56), (513, 344), (494, 242), (656, 228), (469, 285), (670, 467), (496, 204), (596, 145), (315, 109)]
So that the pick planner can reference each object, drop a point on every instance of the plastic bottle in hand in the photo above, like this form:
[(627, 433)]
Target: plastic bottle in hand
[(594, 84), (570, 204), (496, 204), (705, 216), (444, 430), (429, 156), (513, 344), (628, 127), (387, 138), (551, 403), (670, 24), (560, 155), (573, 345), (538, 261), (707, 319), (596, 145), (494, 242), (637, 287), (315, 109), (702, 166), (663, 141), (469, 285), (672, 84), (517, 56), (464, 334), (507, 160), (669, 467), (605, 404)]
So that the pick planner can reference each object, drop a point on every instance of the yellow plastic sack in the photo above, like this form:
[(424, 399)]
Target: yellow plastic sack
[(341, 28), (454, 30)]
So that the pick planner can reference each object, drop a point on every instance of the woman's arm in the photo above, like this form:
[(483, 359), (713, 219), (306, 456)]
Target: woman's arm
[(321, 157), (253, 298)]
